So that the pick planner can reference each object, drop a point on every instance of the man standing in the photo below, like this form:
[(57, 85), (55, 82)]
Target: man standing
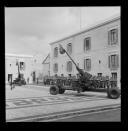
[(11, 83)]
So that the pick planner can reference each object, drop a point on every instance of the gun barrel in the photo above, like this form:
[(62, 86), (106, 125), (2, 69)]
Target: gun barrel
[(82, 73), (85, 74)]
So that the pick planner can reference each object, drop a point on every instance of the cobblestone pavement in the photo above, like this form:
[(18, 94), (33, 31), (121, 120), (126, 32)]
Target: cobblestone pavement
[(30, 101)]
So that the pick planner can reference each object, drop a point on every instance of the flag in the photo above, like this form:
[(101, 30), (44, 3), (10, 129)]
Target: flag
[(61, 49)]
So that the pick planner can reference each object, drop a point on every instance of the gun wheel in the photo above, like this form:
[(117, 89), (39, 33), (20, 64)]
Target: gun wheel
[(113, 93), (54, 90)]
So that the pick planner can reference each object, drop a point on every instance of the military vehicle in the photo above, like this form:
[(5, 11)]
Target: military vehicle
[(19, 80), (84, 82)]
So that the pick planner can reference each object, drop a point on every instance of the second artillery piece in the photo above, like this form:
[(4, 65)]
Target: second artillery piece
[(84, 82), (19, 80)]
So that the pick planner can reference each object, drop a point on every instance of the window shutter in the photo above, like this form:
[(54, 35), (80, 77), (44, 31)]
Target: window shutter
[(89, 43), (84, 64), (117, 60), (24, 66), (84, 44), (67, 66), (68, 48), (20, 66), (71, 48), (55, 51), (89, 63), (116, 35), (109, 37), (109, 61), (55, 67), (70, 66)]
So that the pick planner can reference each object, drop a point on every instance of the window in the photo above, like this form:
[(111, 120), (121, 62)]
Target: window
[(70, 75), (114, 75), (69, 66), (55, 51), (9, 77), (55, 67), (113, 61), (87, 43), (114, 79), (22, 66), (87, 64), (69, 48), (113, 36), (99, 74)]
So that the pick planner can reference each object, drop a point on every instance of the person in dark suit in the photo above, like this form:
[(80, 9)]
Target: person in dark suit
[(11, 83)]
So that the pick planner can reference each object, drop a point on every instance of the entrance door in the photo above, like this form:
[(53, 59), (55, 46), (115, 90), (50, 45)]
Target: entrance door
[(9, 77), (34, 76)]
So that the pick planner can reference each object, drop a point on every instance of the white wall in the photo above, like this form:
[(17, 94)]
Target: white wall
[(13, 69), (46, 70), (37, 65)]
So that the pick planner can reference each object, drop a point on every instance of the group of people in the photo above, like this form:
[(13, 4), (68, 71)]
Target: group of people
[(12, 83)]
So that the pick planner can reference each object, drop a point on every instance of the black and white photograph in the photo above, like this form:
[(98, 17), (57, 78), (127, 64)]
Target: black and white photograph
[(63, 64)]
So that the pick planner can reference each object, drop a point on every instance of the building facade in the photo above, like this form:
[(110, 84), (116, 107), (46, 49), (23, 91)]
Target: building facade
[(95, 50), (27, 66)]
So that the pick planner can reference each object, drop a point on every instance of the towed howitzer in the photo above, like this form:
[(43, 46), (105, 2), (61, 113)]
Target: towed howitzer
[(83, 83), (19, 80)]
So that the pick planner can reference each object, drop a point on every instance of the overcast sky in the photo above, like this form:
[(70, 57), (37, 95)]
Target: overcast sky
[(29, 30)]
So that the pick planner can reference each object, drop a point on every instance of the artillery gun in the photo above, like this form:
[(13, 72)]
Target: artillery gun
[(19, 80), (83, 83)]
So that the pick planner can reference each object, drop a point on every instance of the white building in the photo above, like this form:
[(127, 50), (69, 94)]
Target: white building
[(37, 66), (95, 49), (25, 64)]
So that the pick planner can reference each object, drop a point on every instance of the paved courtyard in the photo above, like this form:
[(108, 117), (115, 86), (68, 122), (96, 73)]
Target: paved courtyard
[(30, 101)]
